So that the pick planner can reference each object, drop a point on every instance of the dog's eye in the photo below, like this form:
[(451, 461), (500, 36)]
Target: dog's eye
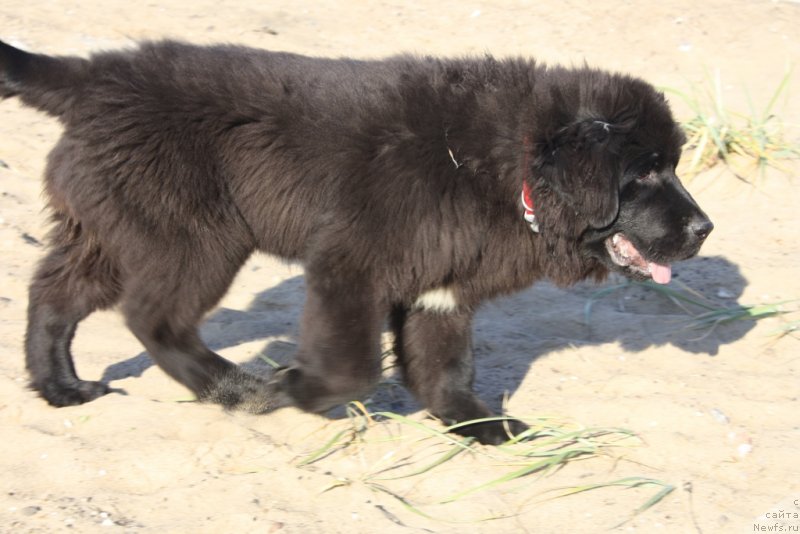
[(649, 176)]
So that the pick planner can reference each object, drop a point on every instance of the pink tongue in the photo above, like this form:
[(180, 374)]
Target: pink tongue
[(661, 273)]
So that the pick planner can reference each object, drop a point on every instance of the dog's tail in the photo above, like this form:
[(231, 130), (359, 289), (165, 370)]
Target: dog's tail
[(46, 83)]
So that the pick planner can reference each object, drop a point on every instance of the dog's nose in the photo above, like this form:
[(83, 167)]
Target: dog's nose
[(701, 227)]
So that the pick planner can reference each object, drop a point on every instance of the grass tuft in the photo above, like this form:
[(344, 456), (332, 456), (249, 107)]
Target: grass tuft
[(418, 449), (747, 143)]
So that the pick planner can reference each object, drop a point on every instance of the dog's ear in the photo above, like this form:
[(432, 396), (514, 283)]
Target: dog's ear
[(580, 163)]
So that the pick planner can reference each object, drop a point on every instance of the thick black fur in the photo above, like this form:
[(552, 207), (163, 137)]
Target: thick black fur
[(386, 179)]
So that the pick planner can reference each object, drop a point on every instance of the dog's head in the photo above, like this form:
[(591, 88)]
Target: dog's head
[(614, 168)]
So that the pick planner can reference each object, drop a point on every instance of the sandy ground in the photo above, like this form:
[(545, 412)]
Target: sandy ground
[(717, 410)]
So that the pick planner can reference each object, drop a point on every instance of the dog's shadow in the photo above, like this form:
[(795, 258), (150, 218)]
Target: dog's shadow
[(510, 334)]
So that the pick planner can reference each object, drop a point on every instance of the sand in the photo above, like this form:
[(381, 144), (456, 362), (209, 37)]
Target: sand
[(716, 409)]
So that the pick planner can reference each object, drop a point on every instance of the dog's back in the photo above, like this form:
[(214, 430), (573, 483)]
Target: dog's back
[(171, 136), (155, 138)]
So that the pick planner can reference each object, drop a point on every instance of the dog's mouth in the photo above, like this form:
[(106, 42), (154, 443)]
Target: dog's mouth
[(625, 254)]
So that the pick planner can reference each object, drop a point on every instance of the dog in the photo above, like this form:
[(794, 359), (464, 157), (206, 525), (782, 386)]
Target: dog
[(411, 189)]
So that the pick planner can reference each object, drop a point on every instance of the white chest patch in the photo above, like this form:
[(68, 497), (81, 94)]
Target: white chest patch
[(441, 299)]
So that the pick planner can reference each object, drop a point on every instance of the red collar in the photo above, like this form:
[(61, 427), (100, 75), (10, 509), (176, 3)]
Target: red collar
[(527, 197), (527, 203)]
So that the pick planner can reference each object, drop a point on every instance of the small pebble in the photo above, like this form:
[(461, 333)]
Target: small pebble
[(30, 510), (724, 293), (719, 416), (744, 449)]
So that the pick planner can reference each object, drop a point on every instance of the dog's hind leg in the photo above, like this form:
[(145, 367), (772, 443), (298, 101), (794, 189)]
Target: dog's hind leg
[(74, 279), (434, 350), (174, 286)]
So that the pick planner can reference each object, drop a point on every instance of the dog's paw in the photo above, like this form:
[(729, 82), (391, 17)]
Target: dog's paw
[(493, 432), (240, 390), (72, 394)]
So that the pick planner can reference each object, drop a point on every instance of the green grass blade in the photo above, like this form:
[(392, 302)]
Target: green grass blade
[(652, 501), (555, 460), (597, 295), (690, 101), (402, 500), (449, 455), (670, 292), (411, 508), (655, 499), (269, 361), (781, 88), (630, 483), (326, 449), (444, 436)]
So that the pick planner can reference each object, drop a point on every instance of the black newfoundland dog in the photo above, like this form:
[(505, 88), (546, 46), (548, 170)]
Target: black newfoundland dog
[(411, 189)]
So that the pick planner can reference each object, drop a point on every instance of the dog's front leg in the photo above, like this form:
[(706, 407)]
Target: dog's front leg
[(339, 355), (434, 351)]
